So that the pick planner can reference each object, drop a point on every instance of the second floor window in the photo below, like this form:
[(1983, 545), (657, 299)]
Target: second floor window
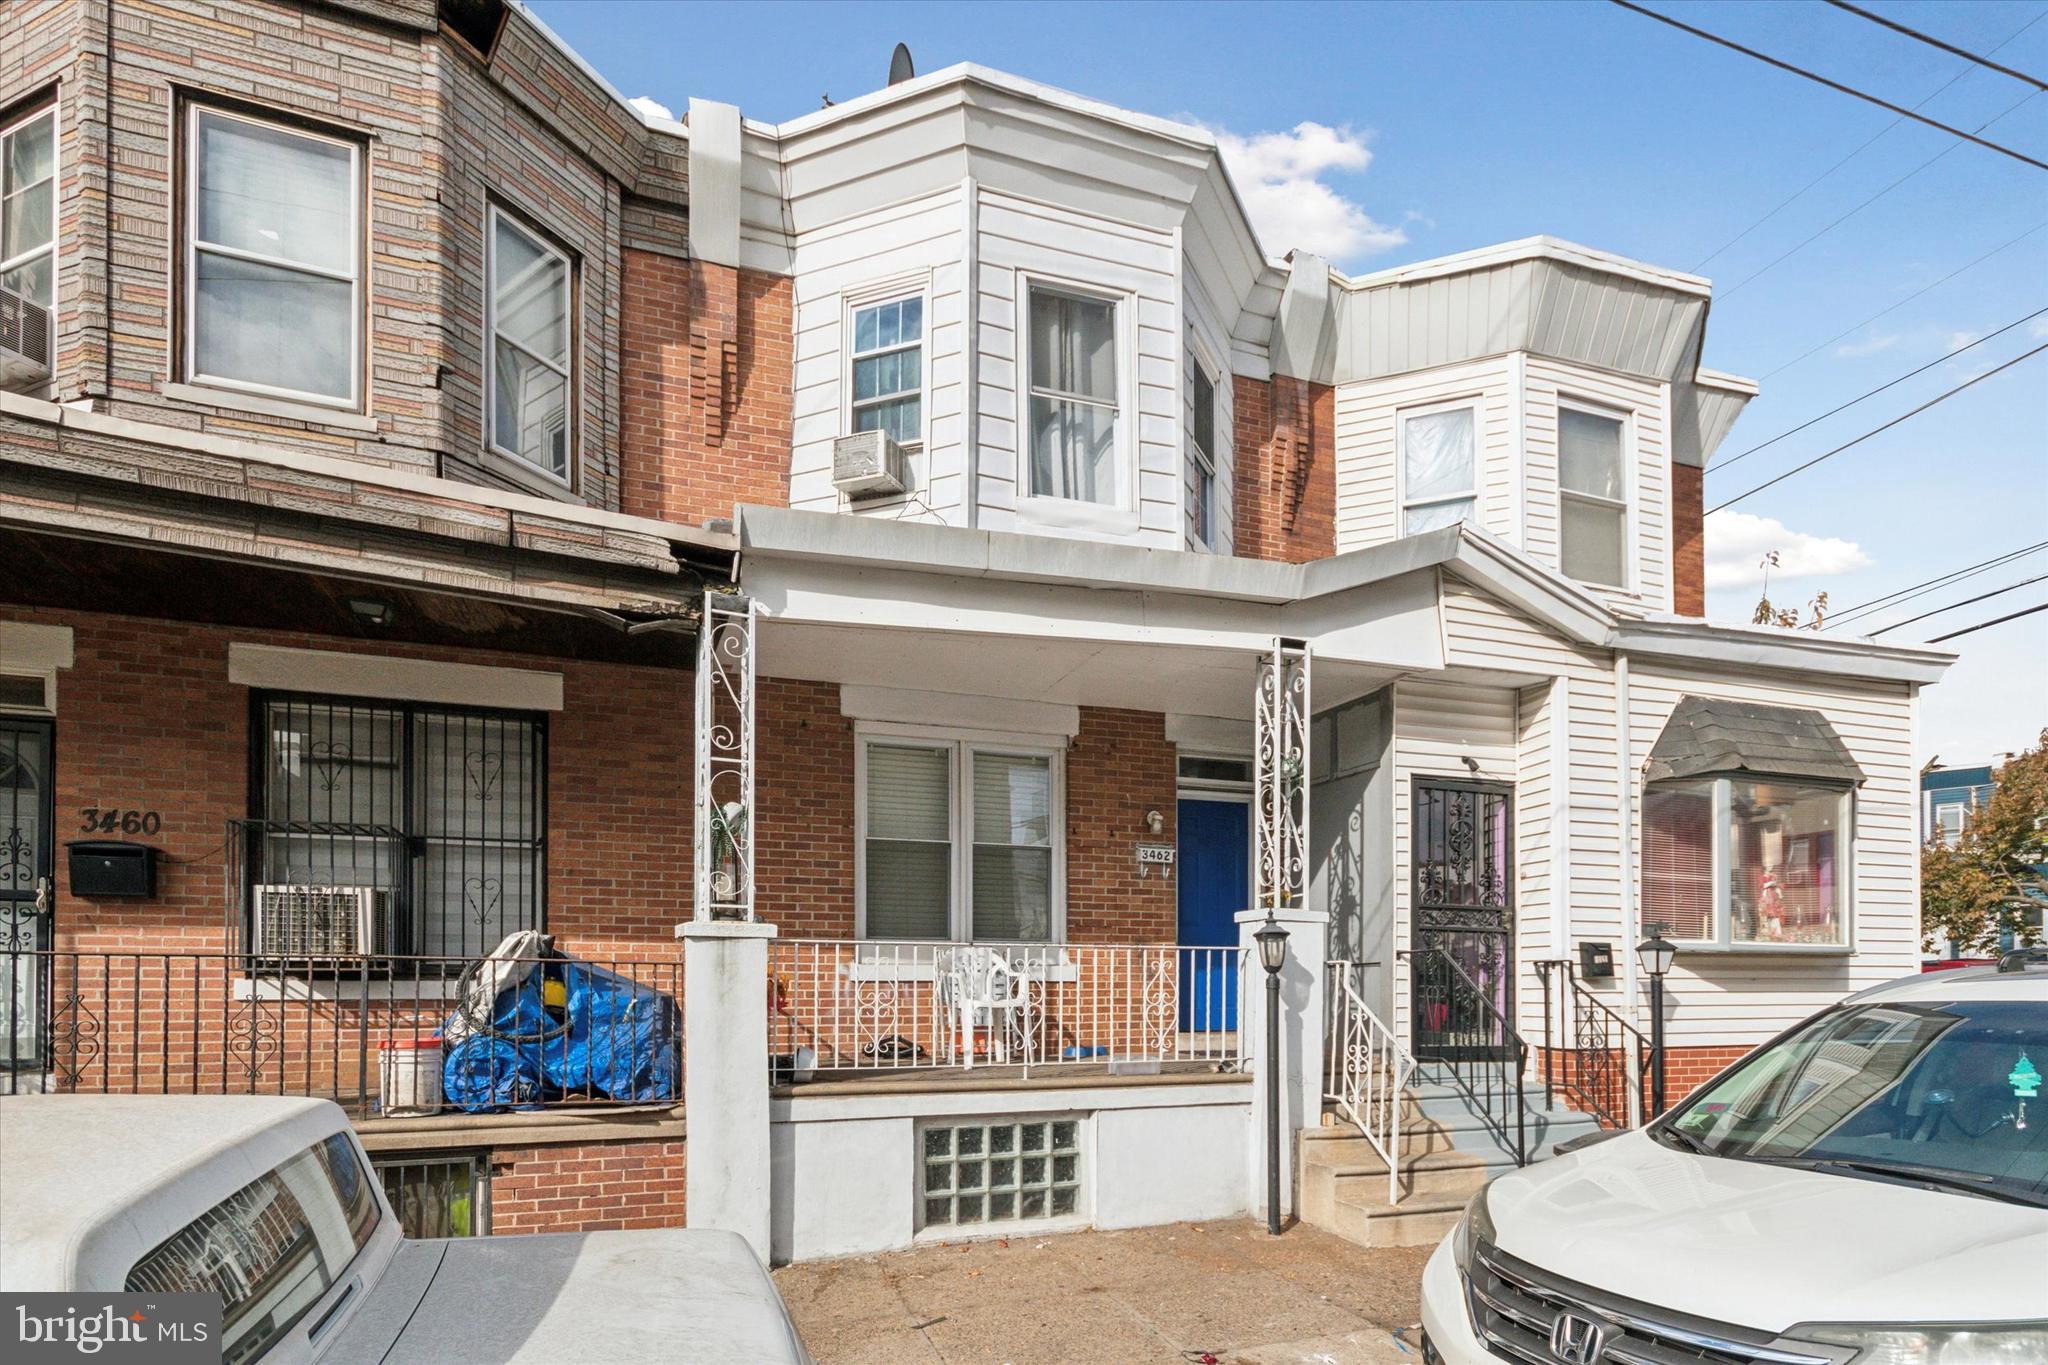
[(530, 377), (273, 271), (1592, 483), (1075, 400), (1438, 485), (888, 368), (1202, 398), (28, 208)]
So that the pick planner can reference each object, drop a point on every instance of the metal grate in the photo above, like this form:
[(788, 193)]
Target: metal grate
[(439, 1196), (1001, 1172)]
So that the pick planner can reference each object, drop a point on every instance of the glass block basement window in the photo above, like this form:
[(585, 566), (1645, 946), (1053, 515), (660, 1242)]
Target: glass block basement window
[(975, 1173)]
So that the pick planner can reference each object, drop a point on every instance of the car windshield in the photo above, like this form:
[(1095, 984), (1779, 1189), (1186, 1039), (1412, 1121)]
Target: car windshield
[(1947, 1095)]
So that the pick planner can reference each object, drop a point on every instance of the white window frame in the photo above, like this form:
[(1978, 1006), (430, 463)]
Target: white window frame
[(49, 111), (1722, 939), (960, 746), (569, 372), (1627, 505), (854, 302), (189, 261), (1120, 514), (1403, 504), (1203, 463)]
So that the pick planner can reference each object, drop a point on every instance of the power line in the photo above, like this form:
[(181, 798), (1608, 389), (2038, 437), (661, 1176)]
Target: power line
[(1967, 601), (1986, 625), (1893, 308), (1933, 41), (1834, 85), (1876, 391), (1938, 398), (1796, 195), (1935, 584)]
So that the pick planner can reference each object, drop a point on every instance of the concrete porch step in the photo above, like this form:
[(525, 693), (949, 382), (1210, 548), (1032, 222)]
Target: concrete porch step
[(1430, 1179), (1412, 1223)]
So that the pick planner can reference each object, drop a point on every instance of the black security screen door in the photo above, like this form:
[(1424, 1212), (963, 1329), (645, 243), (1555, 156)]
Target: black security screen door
[(1462, 967), (25, 859)]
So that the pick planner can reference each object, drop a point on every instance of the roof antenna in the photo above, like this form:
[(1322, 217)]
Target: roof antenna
[(900, 69)]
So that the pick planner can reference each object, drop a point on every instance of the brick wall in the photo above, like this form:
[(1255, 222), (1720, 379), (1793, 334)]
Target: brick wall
[(1688, 540), (804, 785), (589, 1188), (1285, 479), (1119, 766), (1686, 1069)]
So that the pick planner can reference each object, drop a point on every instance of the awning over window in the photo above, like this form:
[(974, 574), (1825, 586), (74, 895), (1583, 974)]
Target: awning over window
[(1707, 735)]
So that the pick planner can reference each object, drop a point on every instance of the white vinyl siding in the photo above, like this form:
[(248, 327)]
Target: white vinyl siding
[(1368, 447), (1205, 342), (529, 376), (28, 207)]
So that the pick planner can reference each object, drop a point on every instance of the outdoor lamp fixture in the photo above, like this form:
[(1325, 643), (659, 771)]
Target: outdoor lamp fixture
[(1655, 954), (1272, 941)]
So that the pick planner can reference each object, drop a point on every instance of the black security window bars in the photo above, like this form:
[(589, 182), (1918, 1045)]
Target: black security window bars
[(385, 828)]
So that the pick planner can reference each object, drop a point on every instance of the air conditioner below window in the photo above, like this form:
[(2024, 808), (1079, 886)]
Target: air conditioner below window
[(318, 921), (869, 464), (24, 339)]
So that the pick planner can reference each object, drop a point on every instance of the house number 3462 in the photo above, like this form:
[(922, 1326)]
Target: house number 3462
[(114, 820)]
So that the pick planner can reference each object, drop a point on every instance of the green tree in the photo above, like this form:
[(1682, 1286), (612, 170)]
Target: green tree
[(1984, 883)]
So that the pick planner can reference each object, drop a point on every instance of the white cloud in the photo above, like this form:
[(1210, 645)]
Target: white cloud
[(651, 107), (2039, 329), (1869, 345), (1281, 176), (1737, 543)]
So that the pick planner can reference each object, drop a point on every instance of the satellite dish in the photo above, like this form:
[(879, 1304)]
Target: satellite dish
[(900, 69)]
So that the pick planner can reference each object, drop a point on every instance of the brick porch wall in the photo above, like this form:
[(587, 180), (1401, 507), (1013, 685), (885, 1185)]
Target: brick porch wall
[(1686, 1069), (590, 1188)]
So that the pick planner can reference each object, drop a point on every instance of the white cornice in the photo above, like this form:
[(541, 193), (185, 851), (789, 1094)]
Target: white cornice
[(1528, 249)]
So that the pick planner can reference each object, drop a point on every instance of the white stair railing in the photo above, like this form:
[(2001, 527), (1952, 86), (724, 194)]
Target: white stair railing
[(1368, 1070)]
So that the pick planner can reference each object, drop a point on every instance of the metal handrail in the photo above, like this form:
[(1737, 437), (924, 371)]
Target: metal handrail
[(1596, 1036), (1491, 1081), (1369, 1072)]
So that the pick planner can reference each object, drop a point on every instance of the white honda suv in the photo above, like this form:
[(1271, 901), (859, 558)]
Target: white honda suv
[(1870, 1188)]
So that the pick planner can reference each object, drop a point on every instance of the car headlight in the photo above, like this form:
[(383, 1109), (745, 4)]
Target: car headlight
[(1936, 1345), (1475, 1227)]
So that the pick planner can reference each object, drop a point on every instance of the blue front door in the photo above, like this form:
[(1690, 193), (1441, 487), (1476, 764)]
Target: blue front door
[(1215, 884)]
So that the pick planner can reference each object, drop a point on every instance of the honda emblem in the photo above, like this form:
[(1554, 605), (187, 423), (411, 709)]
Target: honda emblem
[(1577, 1341)]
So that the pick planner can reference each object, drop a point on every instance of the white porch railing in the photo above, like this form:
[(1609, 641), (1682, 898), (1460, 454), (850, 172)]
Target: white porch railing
[(843, 1006), (1366, 1069)]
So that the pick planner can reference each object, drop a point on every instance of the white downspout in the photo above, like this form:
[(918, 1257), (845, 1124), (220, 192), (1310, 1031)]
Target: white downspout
[(1625, 805)]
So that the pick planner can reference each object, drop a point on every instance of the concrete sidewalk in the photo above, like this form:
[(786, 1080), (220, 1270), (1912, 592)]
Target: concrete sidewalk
[(1153, 1294)]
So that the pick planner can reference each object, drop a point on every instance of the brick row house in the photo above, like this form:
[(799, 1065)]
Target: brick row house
[(439, 500)]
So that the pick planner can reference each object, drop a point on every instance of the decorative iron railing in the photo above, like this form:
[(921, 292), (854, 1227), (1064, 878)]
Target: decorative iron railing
[(1474, 1046), (1596, 1059), (216, 1023), (848, 1006), (1367, 1070)]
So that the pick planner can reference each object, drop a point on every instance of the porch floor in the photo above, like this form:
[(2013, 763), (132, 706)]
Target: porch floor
[(884, 1080)]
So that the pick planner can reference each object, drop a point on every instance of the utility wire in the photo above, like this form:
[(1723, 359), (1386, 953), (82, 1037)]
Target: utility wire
[(1935, 584), (1986, 625), (1834, 85), (1933, 41), (1938, 398), (1967, 601), (1796, 195), (1893, 308), (1723, 464)]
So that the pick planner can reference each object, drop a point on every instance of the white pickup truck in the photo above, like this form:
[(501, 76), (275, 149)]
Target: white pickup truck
[(271, 1203)]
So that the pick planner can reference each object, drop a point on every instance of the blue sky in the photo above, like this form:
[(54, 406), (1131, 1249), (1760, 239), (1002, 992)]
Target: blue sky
[(1442, 127)]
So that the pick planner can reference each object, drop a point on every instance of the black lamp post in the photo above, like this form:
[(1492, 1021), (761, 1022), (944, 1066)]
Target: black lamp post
[(1272, 941), (1655, 954)]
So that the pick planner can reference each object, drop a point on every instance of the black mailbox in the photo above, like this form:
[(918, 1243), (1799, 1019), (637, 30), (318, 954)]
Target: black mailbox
[(110, 867), (1596, 961)]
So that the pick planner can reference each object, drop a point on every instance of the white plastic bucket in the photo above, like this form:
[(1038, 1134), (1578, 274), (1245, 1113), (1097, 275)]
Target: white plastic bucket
[(409, 1076)]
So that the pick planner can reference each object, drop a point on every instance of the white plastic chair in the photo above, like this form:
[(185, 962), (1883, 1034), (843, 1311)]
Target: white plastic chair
[(984, 990)]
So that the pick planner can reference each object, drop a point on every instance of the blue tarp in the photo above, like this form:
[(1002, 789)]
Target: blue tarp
[(621, 1044)]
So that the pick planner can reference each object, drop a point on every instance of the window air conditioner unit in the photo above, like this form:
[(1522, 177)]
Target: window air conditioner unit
[(318, 921), (24, 339), (868, 464)]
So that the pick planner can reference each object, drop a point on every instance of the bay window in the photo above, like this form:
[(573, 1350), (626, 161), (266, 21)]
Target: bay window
[(1202, 452), (1438, 467), (1748, 861), (1592, 481), (532, 386), (958, 841), (28, 207), (888, 368), (1075, 397), (273, 259)]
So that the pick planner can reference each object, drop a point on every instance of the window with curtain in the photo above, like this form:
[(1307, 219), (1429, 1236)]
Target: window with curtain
[(888, 368), (1438, 486), (1074, 404), (1202, 456), (28, 207), (532, 386), (1592, 484), (274, 259), (966, 859), (1742, 861)]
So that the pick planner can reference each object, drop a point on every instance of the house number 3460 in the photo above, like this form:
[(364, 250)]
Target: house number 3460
[(113, 820)]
